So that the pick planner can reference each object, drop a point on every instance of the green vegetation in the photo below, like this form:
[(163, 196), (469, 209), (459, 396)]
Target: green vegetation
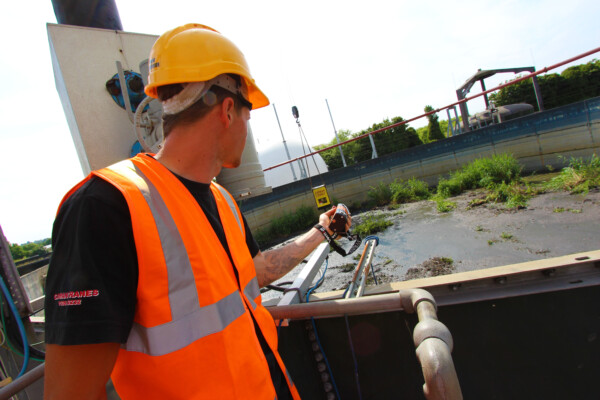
[(496, 179), (30, 249), (434, 131), (579, 176), (347, 267), (409, 191), (423, 132), (445, 205), (386, 142), (446, 260), (380, 195), (500, 175), (372, 224), (481, 173), (574, 84), (399, 192), (506, 236), (284, 226)]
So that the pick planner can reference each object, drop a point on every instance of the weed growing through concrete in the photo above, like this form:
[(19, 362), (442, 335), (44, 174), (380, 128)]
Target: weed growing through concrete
[(347, 267), (380, 195), (445, 205), (409, 191), (579, 177), (372, 224)]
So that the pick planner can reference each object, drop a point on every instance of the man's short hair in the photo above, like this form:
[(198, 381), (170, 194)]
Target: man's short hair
[(215, 95)]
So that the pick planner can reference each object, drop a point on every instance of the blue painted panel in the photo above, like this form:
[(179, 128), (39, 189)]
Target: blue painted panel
[(593, 108)]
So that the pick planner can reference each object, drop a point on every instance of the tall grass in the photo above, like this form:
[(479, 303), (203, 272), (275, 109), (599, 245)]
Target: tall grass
[(408, 191), (481, 173), (380, 195), (399, 192), (372, 224), (289, 223), (579, 177)]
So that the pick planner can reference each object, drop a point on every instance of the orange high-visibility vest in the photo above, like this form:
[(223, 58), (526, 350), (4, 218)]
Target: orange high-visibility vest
[(193, 336)]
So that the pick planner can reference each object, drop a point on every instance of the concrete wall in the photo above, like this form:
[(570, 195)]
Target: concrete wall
[(537, 141)]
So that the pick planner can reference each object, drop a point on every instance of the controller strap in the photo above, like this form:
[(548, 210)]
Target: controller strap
[(331, 240)]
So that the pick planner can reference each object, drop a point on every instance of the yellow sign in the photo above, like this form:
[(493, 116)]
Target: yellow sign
[(321, 196)]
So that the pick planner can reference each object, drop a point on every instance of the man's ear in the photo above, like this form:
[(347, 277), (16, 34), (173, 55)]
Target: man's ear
[(227, 110)]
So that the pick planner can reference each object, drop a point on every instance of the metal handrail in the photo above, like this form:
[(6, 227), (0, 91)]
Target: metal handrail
[(432, 339), (22, 382)]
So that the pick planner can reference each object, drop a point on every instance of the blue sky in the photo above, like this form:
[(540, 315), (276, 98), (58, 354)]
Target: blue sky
[(370, 60)]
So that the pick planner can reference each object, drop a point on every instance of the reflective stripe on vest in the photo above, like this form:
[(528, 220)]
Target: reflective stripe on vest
[(231, 203), (190, 321)]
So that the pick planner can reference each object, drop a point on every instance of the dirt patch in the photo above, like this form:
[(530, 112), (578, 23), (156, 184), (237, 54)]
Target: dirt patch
[(435, 266)]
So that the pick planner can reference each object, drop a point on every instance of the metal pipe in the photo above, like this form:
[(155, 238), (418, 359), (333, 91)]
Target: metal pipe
[(432, 339), (330, 308), (284, 143), (352, 286), (21, 383), (538, 93), (124, 91), (336, 135), (92, 14), (371, 244), (441, 381)]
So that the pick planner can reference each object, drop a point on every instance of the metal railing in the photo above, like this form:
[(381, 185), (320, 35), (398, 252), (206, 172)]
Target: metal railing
[(447, 107), (433, 341)]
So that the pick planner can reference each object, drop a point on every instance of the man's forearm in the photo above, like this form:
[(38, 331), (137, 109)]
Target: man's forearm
[(278, 262)]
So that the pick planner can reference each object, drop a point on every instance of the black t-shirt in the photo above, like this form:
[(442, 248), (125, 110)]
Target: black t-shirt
[(92, 279), (94, 254)]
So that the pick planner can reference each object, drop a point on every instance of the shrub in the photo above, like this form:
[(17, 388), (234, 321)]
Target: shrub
[(372, 224), (481, 173), (380, 194), (579, 177), (445, 205), (281, 227), (407, 191)]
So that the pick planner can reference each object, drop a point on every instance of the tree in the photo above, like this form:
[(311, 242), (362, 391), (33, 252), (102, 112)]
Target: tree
[(388, 141), (434, 132), (16, 251), (29, 249), (574, 84), (332, 157)]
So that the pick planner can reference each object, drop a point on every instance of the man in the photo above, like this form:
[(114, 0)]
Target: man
[(154, 277)]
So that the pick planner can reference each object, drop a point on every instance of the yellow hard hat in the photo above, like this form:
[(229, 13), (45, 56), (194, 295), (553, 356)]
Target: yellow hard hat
[(198, 53)]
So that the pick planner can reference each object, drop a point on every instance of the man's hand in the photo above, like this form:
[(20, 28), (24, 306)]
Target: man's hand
[(329, 214), (273, 264)]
